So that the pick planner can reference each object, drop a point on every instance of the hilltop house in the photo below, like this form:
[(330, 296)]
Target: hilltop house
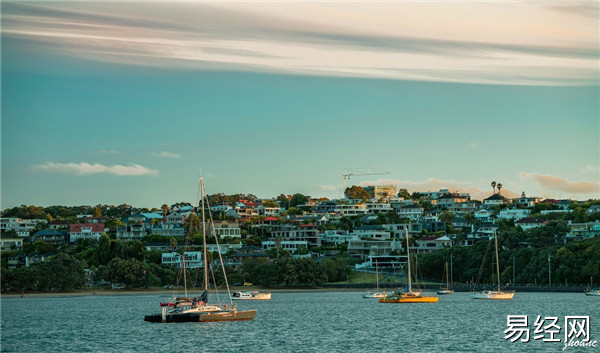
[(530, 223), (494, 200), (85, 231), (431, 243)]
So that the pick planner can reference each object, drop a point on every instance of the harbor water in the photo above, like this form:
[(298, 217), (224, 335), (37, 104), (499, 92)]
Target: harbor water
[(327, 321)]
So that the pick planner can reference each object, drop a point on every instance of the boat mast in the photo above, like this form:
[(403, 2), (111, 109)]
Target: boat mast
[(204, 235), (408, 257), (497, 261)]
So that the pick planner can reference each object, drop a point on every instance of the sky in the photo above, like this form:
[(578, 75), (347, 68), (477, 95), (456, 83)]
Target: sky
[(130, 102)]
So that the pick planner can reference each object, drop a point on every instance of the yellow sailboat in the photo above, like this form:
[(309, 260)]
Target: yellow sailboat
[(409, 296)]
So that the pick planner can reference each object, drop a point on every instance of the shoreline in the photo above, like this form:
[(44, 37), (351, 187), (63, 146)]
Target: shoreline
[(325, 288)]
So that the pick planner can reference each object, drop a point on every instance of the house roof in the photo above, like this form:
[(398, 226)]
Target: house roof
[(495, 197), (96, 227), (48, 232), (433, 238), (529, 220), (270, 219)]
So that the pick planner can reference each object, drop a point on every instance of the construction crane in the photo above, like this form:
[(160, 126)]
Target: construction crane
[(363, 171)]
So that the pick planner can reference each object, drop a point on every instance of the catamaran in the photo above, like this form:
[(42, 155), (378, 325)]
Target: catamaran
[(197, 308)]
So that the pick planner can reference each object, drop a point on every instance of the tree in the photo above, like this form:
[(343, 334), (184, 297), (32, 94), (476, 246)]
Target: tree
[(97, 211), (356, 192), (298, 199), (499, 186), (494, 186), (270, 203), (404, 194), (62, 272)]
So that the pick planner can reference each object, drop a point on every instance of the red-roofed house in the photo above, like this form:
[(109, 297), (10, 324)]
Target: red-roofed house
[(430, 243), (85, 231)]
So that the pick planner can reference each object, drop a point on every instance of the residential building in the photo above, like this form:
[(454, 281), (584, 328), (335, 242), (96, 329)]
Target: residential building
[(383, 263), (530, 223), (450, 200), (169, 230), (527, 202), (21, 226), (306, 232), (412, 212), (377, 192), (483, 215), (192, 259), (433, 225), (336, 237), (351, 209), (225, 228), (132, 231), (494, 200), (379, 207), (362, 249), (58, 224), (223, 248), (11, 244), (293, 246), (175, 218), (269, 211), (514, 214), (50, 236), (431, 243), (326, 207), (85, 231), (372, 232), (582, 231), (398, 230)]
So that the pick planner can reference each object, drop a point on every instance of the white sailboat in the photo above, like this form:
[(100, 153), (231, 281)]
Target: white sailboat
[(377, 293), (197, 309), (494, 294), (447, 289)]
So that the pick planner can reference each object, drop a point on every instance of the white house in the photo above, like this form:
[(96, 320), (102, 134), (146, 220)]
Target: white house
[(483, 215), (226, 228), (494, 200), (193, 259), (372, 232), (85, 231), (290, 245), (530, 223), (379, 207), (427, 244), (351, 209), (514, 214), (411, 212)]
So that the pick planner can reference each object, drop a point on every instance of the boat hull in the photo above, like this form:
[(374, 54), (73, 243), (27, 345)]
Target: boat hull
[(493, 295), (373, 295), (203, 317), (593, 294), (418, 299), (445, 291), (251, 296)]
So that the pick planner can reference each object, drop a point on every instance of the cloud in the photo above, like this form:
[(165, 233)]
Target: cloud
[(590, 169), (434, 184), (165, 155), (89, 169), (473, 144), (328, 187), (560, 184), (391, 41)]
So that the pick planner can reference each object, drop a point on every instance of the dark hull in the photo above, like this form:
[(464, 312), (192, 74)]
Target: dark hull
[(204, 317)]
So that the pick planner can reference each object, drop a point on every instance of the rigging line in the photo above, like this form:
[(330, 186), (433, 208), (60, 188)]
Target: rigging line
[(213, 233), (479, 275)]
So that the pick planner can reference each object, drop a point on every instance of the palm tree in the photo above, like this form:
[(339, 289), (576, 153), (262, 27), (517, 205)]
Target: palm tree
[(499, 186), (494, 186)]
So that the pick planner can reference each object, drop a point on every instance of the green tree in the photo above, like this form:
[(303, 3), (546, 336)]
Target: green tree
[(62, 271), (356, 192), (404, 194)]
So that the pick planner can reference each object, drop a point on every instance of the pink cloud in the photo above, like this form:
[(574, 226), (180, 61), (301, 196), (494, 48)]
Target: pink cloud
[(559, 184)]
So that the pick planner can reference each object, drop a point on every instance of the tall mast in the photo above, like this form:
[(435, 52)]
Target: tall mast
[(204, 235), (408, 257), (497, 261)]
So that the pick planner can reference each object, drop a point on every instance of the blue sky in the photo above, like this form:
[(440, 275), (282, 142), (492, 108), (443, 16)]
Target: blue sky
[(110, 102)]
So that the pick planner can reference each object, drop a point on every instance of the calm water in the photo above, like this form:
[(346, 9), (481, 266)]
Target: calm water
[(290, 322)]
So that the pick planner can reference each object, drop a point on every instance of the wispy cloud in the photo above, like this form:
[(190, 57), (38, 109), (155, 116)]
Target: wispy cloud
[(84, 168), (328, 187), (590, 169), (391, 40), (554, 183), (473, 144), (165, 155)]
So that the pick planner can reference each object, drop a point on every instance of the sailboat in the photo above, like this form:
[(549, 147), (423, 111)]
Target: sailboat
[(376, 294), (494, 294), (408, 296), (198, 309), (447, 289)]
